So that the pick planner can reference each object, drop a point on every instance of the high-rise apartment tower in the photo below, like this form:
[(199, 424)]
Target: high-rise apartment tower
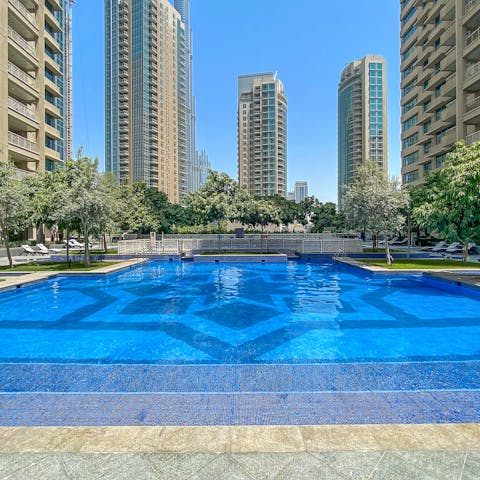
[(440, 75), (301, 191), (362, 118), (32, 83), (145, 89), (183, 7), (262, 134)]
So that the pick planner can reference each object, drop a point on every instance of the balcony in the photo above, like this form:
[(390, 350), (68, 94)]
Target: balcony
[(52, 109), (472, 112), (472, 42), (21, 84), (52, 65), (24, 17), (21, 149), (472, 138), (23, 50), (52, 154), (22, 142), (52, 20), (471, 13), (22, 109), (472, 77)]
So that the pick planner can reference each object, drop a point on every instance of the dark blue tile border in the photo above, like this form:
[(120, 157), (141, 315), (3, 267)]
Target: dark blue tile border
[(366, 377), (239, 409)]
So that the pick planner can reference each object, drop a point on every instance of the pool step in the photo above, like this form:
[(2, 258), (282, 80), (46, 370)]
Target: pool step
[(97, 395)]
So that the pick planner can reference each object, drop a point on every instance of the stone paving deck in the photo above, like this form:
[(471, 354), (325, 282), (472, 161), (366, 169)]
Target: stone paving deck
[(378, 452), (261, 466)]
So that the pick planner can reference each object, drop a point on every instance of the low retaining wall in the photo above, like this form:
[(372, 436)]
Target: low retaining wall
[(240, 258)]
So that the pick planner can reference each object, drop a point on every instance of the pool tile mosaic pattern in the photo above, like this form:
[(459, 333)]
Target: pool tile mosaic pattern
[(185, 344)]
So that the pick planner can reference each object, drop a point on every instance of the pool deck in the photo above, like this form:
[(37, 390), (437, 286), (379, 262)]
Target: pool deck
[(24, 278), (378, 452)]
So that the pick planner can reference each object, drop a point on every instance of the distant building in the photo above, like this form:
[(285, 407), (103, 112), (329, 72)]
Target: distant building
[(291, 196), (145, 94), (362, 118), (262, 134), (301, 191), (200, 169)]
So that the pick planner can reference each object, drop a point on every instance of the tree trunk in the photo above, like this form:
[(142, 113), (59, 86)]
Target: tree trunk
[(87, 247), (105, 249), (465, 251), (9, 254), (387, 251), (68, 245)]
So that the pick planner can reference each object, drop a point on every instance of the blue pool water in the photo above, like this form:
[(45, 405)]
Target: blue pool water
[(239, 344), (185, 313)]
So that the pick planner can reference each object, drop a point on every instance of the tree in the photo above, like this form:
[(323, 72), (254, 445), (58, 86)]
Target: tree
[(449, 202), (258, 211), (86, 200), (216, 200), (135, 212), (375, 202), (325, 215), (14, 211)]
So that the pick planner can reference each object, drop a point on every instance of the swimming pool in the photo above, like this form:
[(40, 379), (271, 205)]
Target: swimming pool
[(234, 344), (237, 314)]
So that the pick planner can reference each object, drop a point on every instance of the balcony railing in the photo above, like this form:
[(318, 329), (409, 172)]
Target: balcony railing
[(472, 70), (22, 108), (469, 4), (472, 37), (17, 38), (21, 75), (473, 104), (472, 138), (22, 9), (22, 142)]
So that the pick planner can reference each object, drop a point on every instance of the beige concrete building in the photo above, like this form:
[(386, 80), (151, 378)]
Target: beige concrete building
[(262, 134), (31, 83), (440, 75), (145, 95), (362, 118)]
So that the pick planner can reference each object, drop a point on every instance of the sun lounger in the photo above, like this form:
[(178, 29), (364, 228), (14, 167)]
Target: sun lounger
[(42, 248), (28, 250)]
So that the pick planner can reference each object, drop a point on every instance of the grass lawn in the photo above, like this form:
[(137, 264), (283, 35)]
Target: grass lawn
[(404, 264), (55, 266)]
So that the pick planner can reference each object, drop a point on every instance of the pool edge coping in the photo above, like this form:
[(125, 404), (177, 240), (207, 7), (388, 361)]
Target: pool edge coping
[(29, 278), (241, 439)]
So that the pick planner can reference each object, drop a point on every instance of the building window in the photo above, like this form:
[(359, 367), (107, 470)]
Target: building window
[(410, 177), (409, 159)]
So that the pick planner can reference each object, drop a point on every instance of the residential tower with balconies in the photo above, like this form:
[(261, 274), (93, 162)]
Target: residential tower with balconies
[(145, 94), (440, 81), (262, 134), (32, 79)]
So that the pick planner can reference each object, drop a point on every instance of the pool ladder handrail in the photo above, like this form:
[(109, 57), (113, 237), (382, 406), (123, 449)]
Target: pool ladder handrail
[(340, 253)]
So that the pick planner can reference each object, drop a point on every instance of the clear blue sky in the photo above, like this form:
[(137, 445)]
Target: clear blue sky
[(307, 41)]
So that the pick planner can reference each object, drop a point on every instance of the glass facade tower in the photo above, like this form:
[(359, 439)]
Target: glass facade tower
[(362, 118)]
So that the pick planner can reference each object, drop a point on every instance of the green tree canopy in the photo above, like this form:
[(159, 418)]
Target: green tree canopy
[(375, 203), (449, 202)]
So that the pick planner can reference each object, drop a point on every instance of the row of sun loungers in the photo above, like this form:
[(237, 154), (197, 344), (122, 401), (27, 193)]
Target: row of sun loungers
[(40, 249)]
